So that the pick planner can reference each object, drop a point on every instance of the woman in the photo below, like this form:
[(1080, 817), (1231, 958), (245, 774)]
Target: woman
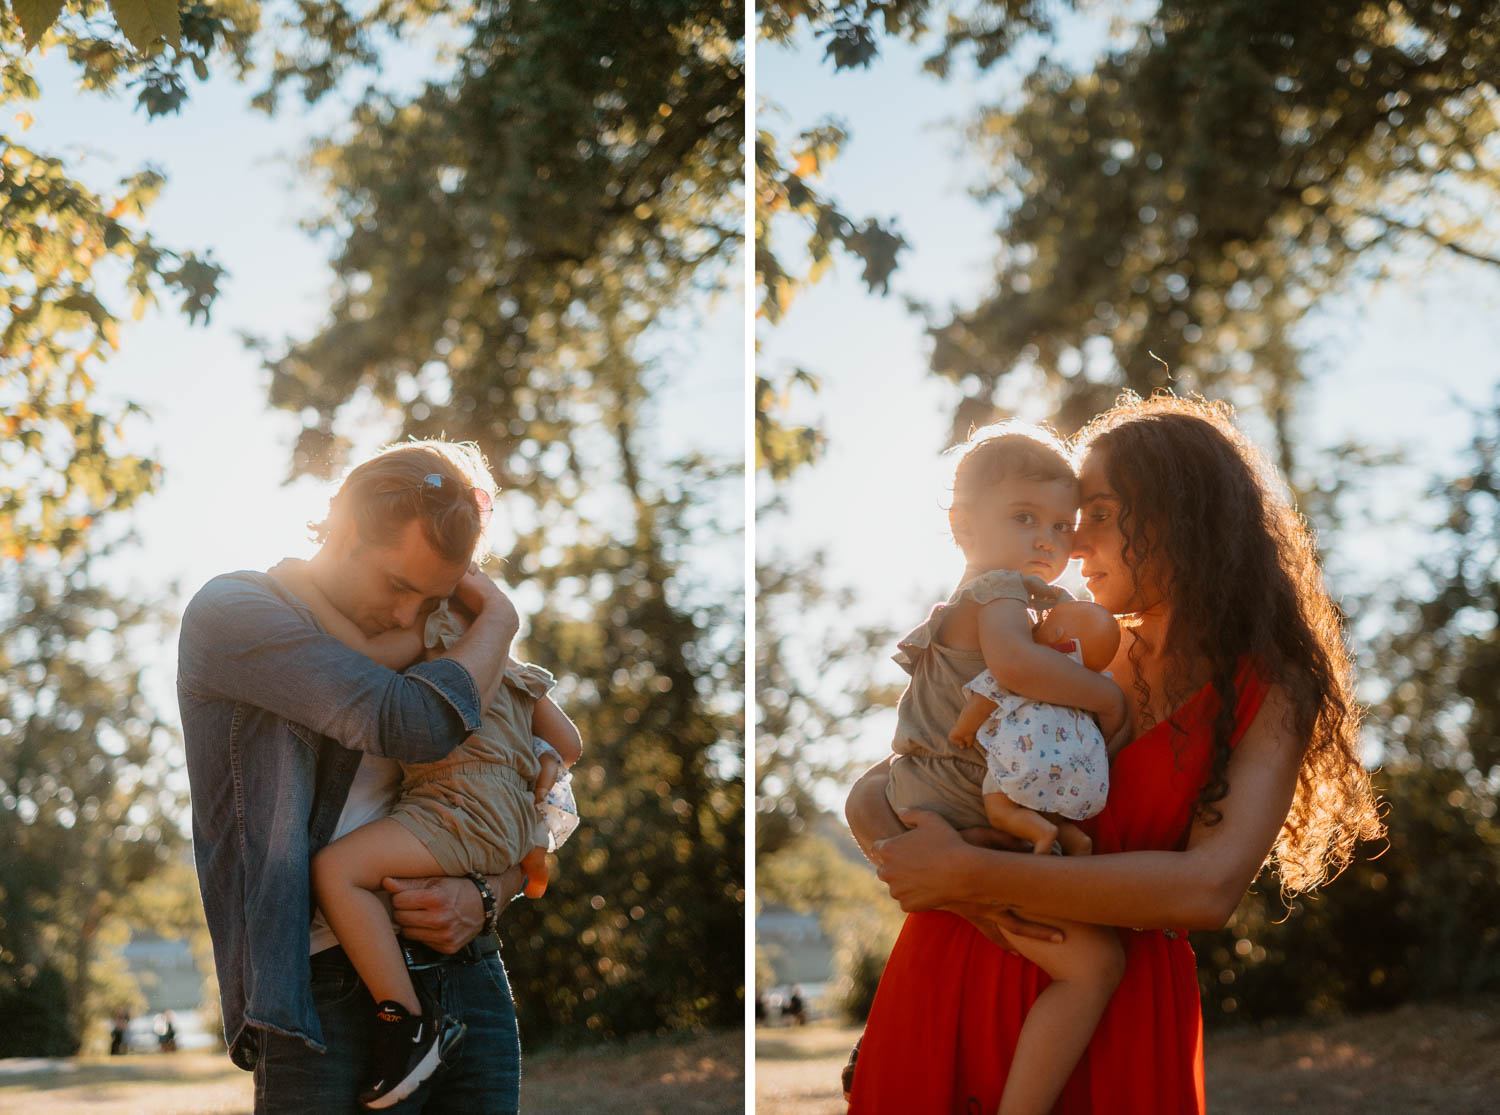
[(1244, 744)]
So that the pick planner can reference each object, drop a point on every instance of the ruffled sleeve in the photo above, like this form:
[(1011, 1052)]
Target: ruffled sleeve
[(442, 628), (534, 681), (997, 584)]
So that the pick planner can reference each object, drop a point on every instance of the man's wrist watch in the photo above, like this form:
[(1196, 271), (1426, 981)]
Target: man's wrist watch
[(487, 896)]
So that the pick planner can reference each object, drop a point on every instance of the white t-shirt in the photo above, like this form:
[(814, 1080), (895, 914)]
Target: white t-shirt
[(372, 794)]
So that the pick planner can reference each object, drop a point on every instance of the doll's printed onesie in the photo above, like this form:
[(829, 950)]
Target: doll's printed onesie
[(475, 809), (1050, 758), (929, 770)]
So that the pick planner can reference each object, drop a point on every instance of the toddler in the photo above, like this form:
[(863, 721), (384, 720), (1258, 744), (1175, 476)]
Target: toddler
[(500, 798), (1040, 762)]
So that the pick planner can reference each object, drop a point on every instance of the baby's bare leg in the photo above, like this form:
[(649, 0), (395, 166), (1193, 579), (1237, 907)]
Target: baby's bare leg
[(346, 875), (1017, 820), (1085, 969)]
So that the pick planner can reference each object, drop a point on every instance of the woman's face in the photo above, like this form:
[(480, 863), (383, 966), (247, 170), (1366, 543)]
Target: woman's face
[(1098, 543)]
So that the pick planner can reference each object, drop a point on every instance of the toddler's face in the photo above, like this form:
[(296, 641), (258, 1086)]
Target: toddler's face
[(1019, 524)]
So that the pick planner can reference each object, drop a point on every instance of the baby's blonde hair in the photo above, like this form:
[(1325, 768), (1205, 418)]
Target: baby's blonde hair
[(1005, 449)]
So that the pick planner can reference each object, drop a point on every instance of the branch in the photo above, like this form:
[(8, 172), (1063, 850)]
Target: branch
[(1435, 237)]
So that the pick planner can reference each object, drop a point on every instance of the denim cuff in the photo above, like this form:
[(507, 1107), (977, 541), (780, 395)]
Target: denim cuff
[(455, 685)]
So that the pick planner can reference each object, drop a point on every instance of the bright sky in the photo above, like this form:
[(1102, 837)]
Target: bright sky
[(1403, 365), (233, 186)]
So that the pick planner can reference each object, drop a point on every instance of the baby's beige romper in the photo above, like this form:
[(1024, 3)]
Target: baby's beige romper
[(475, 810), (929, 771)]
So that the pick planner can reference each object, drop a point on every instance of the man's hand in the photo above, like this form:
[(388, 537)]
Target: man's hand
[(445, 912)]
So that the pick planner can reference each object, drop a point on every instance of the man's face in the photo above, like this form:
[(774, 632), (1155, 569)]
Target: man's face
[(381, 588)]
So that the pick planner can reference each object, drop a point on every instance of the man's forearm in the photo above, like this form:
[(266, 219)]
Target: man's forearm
[(507, 886), (484, 650)]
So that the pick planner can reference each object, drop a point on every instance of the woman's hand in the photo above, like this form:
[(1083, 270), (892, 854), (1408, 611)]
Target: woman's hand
[(923, 867), (990, 920), (924, 870), (1114, 720)]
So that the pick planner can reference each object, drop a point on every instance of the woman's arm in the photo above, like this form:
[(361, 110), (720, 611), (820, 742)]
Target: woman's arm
[(1041, 673), (873, 822), (1196, 888)]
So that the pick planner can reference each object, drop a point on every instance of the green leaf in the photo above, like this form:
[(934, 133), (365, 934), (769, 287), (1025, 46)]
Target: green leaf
[(145, 21), (35, 17)]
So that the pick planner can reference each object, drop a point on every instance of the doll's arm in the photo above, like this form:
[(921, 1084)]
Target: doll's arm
[(1039, 672), (975, 712), (393, 649)]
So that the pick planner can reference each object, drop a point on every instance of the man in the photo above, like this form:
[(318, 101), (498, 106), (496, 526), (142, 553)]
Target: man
[(293, 739)]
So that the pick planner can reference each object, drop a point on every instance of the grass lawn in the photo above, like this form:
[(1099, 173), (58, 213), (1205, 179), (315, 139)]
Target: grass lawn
[(700, 1073), (1423, 1057)]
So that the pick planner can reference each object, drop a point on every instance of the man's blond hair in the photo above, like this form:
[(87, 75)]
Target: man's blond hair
[(435, 482)]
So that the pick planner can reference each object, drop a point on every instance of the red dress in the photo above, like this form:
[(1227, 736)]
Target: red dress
[(950, 1005)]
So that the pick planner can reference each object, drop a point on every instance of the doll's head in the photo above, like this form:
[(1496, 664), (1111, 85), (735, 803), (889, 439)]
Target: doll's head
[(1090, 625), (1015, 500)]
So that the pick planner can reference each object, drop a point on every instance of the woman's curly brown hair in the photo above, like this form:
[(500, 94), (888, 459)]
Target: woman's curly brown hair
[(1203, 507)]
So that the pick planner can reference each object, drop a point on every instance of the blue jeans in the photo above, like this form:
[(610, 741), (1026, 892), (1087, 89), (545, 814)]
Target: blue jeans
[(485, 1078)]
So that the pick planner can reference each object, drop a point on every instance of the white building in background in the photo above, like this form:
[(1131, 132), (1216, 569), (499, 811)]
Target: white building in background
[(799, 952)]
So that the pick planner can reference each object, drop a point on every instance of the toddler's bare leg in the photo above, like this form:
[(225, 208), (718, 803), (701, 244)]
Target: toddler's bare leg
[(1017, 820), (1085, 969), (346, 875), (534, 863)]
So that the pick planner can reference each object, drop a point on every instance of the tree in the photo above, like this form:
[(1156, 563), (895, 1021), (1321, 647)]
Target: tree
[(783, 191), (850, 31), (811, 697), (87, 808), (67, 253), (1410, 920), (1179, 211), (507, 240)]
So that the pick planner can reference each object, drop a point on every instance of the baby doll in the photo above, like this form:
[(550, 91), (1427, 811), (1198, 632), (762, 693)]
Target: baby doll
[(1046, 764)]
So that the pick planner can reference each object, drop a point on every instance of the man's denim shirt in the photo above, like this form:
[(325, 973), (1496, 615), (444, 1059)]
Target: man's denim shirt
[(275, 713)]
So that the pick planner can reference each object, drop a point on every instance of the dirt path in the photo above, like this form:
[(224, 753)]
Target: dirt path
[(697, 1074), (1442, 1057)]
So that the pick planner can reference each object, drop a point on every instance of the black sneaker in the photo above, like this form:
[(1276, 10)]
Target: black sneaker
[(408, 1049)]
